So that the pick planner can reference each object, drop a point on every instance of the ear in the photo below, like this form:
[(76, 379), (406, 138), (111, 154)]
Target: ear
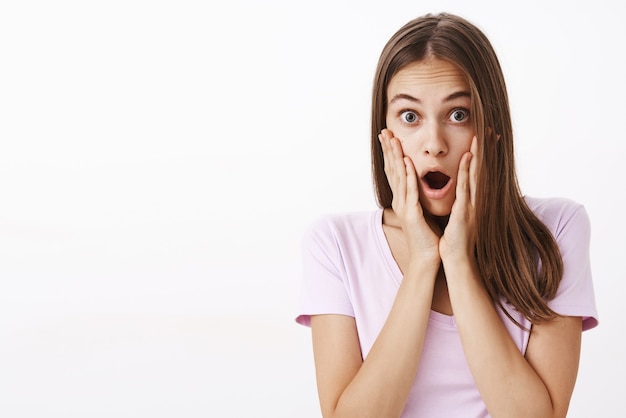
[(490, 132)]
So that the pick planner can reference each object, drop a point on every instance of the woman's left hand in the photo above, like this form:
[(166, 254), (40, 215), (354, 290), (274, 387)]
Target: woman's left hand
[(459, 237)]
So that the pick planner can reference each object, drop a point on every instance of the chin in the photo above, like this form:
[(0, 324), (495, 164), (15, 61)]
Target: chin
[(439, 210)]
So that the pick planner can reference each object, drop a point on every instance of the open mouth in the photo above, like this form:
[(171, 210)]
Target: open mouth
[(436, 180)]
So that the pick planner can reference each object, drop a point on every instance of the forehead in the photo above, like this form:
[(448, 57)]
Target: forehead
[(430, 75)]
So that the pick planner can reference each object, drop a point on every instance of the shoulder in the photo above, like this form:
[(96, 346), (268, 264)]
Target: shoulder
[(342, 236), (342, 226), (552, 207), (569, 223), (559, 214)]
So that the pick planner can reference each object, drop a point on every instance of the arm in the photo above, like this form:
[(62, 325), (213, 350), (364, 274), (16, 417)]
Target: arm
[(538, 385), (379, 386)]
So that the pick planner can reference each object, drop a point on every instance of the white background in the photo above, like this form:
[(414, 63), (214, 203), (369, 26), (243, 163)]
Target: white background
[(159, 160)]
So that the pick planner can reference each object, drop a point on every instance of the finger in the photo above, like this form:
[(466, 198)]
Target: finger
[(412, 192), (399, 168), (384, 145), (394, 165), (473, 171), (462, 182), (387, 155)]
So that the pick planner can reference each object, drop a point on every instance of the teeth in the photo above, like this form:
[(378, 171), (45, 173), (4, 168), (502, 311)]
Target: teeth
[(436, 179)]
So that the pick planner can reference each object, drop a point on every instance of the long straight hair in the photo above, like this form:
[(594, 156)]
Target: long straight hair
[(517, 256)]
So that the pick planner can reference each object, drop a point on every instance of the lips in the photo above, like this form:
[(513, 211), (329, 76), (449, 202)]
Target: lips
[(436, 185), (436, 180)]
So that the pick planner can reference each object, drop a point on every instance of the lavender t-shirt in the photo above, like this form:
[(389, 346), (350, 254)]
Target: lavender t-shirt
[(348, 269)]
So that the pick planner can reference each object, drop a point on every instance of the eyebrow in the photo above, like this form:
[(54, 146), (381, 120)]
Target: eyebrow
[(416, 100)]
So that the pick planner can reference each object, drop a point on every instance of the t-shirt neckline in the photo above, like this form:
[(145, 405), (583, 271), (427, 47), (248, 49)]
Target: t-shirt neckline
[(394, 269)]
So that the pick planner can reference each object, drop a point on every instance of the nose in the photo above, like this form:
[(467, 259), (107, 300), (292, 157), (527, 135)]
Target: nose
[(434, 142)]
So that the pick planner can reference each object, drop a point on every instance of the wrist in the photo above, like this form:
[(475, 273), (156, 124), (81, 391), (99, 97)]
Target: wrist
[(462, 254), (423, 266), (460, 265)]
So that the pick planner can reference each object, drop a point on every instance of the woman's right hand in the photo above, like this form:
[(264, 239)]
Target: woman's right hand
[(421, 232)]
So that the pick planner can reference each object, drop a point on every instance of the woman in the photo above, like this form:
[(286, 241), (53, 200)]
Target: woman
[(459, 297)]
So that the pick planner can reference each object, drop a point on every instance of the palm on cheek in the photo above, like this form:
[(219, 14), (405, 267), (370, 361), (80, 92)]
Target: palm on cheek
[(459, 236), (422, 235)]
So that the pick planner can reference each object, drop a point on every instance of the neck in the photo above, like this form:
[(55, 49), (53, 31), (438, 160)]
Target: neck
[(441, 221)]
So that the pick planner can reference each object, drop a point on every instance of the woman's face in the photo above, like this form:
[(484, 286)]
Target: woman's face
[(428, 110)]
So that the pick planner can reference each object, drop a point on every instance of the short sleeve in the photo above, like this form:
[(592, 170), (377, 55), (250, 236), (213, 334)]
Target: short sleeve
[(575, 296), (323, 286)]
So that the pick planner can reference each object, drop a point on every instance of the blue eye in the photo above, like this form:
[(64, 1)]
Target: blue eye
[(459, 115), (408, 116)]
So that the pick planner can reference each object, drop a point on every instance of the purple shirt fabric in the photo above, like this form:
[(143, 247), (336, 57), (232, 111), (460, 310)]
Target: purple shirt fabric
[(348, 269)]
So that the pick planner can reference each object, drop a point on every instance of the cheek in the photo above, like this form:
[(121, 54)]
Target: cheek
[(410, 150), (388, 122), (464, 143), (394, 125)]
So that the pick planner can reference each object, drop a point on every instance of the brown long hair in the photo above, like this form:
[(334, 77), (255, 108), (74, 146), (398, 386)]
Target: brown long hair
[(517, 256)]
